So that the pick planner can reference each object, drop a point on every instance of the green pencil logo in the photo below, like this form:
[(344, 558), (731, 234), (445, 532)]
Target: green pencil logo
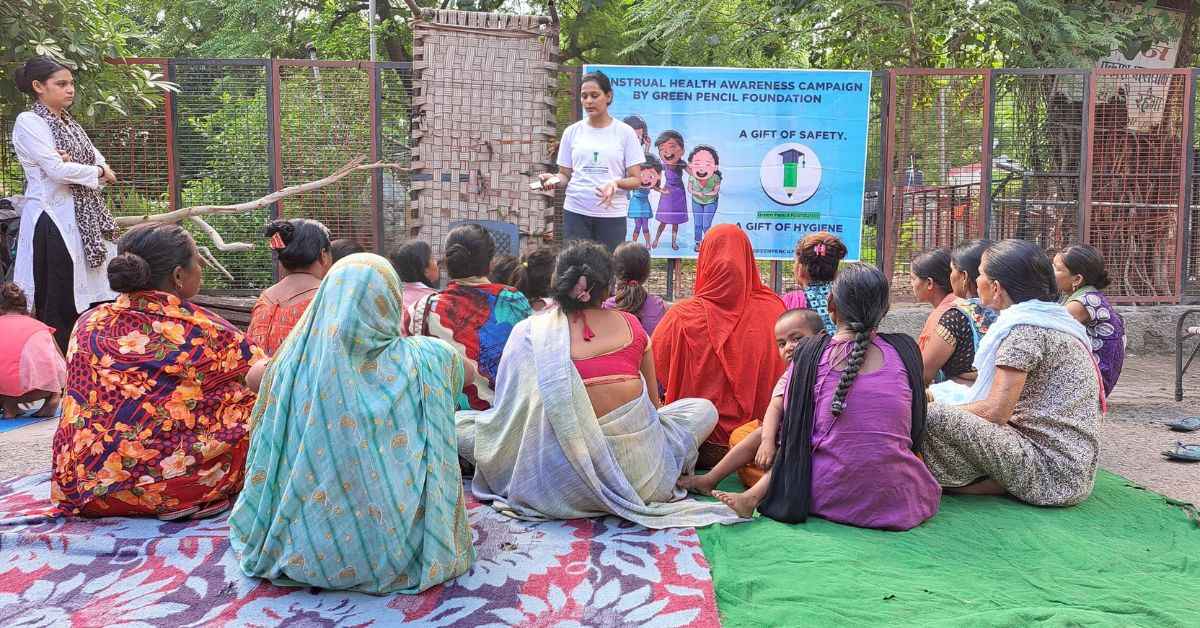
[(790, 173), (793, 161)]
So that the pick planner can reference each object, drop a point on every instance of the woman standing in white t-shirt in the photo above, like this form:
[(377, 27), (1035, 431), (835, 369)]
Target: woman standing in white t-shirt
[(597, 158)]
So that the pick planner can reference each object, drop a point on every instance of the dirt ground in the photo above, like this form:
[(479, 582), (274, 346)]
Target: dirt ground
[(1134, 432)]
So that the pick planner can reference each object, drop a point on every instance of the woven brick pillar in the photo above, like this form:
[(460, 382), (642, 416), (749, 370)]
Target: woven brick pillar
[(484, 120)]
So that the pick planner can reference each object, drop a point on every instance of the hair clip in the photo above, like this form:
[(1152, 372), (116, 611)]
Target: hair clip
[(277, 242), (819, 249), (580, 291)]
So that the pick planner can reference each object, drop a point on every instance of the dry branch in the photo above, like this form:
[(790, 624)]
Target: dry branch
[(351, 167), (212, 262), (218, 241)]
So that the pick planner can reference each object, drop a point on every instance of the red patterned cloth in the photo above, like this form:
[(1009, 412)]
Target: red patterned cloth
[(155, 417), (475, 317), (103, 572)]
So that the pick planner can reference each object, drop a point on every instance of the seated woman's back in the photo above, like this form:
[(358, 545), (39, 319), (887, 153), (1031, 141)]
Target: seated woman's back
[(473, 314), (554, 447), (864, 470), (353, 474), (607, 347), (853, 420), (155, 421)]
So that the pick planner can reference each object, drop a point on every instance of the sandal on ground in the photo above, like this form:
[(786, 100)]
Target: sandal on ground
[(211, 510), (178, 514), (1185, 453), (1186, 424)]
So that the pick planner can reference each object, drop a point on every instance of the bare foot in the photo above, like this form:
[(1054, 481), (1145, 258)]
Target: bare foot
[(655, 245), (741, 503), (696, 484), (50, 406)]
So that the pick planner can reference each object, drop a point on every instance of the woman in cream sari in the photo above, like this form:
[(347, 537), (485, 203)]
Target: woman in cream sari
[(575, 430), (352, 478)]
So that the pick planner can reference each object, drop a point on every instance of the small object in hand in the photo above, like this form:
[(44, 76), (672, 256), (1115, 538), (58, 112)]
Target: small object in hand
[(540, 185), (1186, 424)]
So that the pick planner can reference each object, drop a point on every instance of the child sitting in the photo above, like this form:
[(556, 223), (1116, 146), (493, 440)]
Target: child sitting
[(532, 276), (1080, 275), (817, 258), (632, 262), (853, 417), (31, 367), (790, 328)]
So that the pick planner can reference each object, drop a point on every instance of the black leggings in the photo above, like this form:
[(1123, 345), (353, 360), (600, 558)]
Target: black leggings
[(53, 281), (607, 231)]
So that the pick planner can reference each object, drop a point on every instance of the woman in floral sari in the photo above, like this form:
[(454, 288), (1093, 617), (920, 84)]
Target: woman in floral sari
[(155, 418), (353, 471), (473, 314)]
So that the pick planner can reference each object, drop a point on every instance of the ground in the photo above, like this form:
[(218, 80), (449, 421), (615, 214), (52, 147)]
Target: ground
[(1133, 439)]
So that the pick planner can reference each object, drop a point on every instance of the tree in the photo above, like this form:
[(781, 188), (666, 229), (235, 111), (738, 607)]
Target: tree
[(81, 35), (875, 34), (338, 29)]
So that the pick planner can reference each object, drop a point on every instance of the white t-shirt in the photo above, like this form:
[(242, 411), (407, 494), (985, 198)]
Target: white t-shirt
[(595, 157)]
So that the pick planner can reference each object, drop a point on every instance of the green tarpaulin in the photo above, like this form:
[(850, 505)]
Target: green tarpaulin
[(1125, 557)]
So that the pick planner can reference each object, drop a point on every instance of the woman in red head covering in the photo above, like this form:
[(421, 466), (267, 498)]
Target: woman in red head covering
[(719, 344)]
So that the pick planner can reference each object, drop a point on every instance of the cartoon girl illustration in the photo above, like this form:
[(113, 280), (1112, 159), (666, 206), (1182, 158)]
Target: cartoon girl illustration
[(639, 199), (672, 207), (639, 127), (704, 184)]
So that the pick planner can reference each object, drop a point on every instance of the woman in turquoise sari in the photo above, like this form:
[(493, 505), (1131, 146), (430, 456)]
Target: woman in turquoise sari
[(352, 480)]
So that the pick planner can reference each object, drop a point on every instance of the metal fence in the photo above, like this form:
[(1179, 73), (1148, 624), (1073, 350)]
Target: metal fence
[(1104, 157)]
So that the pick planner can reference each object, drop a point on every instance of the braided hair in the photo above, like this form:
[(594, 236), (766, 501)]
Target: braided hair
[(860, 296)]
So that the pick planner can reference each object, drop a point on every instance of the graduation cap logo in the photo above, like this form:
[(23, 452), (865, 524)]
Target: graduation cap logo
[(790, 173)]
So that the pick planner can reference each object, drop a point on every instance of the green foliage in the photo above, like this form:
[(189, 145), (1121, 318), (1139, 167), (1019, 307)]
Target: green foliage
[(904, 33), (81, 35)]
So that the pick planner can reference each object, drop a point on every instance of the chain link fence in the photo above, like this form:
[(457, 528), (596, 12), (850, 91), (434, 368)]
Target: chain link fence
[(1104, 157)]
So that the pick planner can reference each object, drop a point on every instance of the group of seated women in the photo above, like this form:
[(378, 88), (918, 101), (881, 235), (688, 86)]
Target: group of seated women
[(340, 455)]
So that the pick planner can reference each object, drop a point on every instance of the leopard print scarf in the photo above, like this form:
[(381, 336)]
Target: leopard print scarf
[(95, 222)]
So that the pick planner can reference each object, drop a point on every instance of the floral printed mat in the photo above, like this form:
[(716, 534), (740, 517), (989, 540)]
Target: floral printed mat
[(144, 572)]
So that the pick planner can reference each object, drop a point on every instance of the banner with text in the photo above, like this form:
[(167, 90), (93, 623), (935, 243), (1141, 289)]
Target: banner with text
[(781, 153)]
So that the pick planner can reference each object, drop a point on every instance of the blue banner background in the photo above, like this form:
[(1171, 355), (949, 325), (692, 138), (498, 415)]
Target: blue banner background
[(715, 106)]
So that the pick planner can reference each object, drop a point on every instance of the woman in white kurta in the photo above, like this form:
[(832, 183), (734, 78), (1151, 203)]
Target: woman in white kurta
[(66, 230)]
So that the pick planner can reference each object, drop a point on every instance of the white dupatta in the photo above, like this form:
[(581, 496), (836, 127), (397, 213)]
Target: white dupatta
[(1036, 313), (541, 453)]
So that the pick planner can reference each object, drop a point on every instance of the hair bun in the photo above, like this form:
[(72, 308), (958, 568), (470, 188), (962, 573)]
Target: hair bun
[(284, 228), (23, 83), (128, 272)]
